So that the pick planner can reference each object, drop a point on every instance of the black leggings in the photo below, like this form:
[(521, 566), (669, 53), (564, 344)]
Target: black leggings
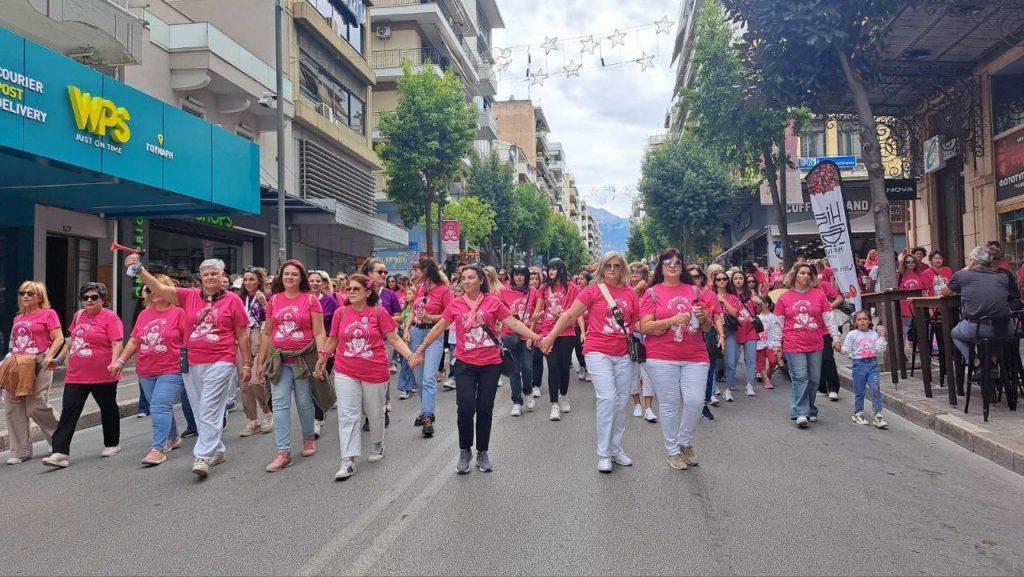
[(538, 369), (105, 395), (829, 381), (559, 364), (579, 350), (475, 388)]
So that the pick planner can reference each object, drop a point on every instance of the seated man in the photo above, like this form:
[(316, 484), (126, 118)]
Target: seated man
[(983, 291)]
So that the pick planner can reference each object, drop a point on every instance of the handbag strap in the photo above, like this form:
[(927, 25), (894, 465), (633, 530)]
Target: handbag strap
[(612, 306)]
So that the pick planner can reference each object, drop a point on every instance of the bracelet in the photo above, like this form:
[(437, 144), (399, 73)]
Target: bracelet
[(120, 362), (325, 354), (246, 366)]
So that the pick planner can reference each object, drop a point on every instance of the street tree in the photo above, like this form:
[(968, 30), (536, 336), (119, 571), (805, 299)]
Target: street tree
[(533, 222), (424, 141), (684, 187), (635, 243), (476, 219), (567, 244), (493, 181), (819, 54), (732, 115)]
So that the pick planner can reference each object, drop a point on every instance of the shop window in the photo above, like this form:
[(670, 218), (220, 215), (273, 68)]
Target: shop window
[(1007, 102), (358, 113), (849, 142), (812, 142)]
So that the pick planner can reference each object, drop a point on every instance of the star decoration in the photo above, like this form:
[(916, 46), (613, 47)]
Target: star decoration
[(664, 25), (589, 45), (503, 65), (572, 69), (549, 44), (538, 78), (504, 53), (646, 61), (618, 39)]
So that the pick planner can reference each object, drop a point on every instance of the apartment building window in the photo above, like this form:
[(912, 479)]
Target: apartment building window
[(812, 142), (353, 34), (849, 142), (332, 99)]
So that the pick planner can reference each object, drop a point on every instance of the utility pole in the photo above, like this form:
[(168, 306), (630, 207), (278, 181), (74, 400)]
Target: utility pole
[(282, 230)]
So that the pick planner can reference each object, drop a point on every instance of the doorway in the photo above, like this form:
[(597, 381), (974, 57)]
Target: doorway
[(70, 263), (950, 203)]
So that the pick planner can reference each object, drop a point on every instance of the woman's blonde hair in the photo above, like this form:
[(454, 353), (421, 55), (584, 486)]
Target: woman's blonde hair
[(40, 290), (493, 280), (607, 258), (645, 272), (164, 280)]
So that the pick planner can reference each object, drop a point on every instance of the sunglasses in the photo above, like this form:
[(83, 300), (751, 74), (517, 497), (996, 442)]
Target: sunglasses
[(353, 289), (251, 269), (91, 298), (611, 265), (671, 263), (721, 279), (384, 271), (26, 293)]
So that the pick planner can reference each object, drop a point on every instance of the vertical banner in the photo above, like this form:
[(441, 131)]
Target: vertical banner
[(825, 186), (450, 236)]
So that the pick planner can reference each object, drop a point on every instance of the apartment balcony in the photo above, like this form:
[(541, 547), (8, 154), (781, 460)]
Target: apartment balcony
[(488, 125), (388, 63), (488, 85), (94, 32), (322, 19), (441, 22)]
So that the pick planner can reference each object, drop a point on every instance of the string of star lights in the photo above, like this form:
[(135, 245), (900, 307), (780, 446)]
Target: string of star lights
[(570, 57)]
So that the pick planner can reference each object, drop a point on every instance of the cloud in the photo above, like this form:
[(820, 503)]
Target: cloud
[(602, 118)]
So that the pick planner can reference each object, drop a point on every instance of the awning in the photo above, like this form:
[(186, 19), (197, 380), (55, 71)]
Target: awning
[(746, 239), (864, 224), (362, 232)]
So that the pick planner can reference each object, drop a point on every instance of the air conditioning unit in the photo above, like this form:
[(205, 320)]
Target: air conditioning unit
[(322, 108), (383, 32)]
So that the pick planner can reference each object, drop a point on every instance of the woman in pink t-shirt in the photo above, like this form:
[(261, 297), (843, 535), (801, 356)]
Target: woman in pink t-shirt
[(361, 368), (910, 278), (477, 368), (741, 305), (674, 315), (158, 336), (35, 331), (802, 311), (432, 296), (294, 329), (520, 299), (607, 352), (95, 343), (557, 295)]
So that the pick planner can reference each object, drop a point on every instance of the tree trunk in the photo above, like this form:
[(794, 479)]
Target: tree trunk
[(428, 226), (876, 174), (778, 203), (441, 257)]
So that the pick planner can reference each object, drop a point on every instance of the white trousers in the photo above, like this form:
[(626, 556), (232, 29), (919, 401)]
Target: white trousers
[(612, 377), (641, 382), (353, 397), (680, 387), (207, 386)]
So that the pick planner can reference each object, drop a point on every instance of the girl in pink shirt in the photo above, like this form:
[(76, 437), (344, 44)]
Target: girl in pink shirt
[(741, 305), (158, 336), (802, 311), (36, 331), (96, 334), (607, 352), (675, 313), (475, 316), (521, 299), (361, 368), (557, 295)]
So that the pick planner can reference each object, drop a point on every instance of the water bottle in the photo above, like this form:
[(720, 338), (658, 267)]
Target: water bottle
[(133, 269), (694, 321), (937, 284)]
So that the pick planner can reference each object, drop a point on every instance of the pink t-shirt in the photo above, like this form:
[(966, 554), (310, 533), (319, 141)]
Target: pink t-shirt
[(746, 331), (679, 343), (928, 278), (160, 335), (291, 320), (520, 304), (212, 335), (432, 302), (831, 293), (604, 335), (91, 350), (555, 303), (910, 280), (474, 346), (30, 334), (803, 323), (361, 353)]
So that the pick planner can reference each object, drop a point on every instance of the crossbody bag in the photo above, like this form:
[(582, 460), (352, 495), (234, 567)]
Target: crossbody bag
[(509, 364), (637, 350)]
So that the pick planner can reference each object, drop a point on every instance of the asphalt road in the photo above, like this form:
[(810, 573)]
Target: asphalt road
[(767, 498)]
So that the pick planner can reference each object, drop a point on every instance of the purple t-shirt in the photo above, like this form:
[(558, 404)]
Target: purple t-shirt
[(389, 301), (329, 304)]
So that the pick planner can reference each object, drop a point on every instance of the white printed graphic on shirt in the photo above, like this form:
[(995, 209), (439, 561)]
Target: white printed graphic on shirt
[(476, 336), (804, 320), (288, 324), (204, 330), (678, 305), (22, 342), (80, 348), (356, 341), (152, 339), (554, 307), (519, 308), (610, 326)]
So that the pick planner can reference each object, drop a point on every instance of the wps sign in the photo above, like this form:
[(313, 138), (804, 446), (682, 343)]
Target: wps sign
[(825, 186), (97, 115)]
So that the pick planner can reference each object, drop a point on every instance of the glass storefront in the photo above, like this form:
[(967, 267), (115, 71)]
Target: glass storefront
[(179, 255), (1011, 232)]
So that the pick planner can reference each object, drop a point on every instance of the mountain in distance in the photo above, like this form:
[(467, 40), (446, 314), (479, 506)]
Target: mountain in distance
[(614, 230)]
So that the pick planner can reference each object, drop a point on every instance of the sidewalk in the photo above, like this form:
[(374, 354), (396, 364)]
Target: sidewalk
[(127, 400), (1001, 439)]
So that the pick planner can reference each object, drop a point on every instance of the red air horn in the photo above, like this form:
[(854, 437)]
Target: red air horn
[(114, 247)]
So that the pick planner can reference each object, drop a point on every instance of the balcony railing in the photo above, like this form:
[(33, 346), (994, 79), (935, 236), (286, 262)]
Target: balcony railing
[(445, 6), (416, 56)]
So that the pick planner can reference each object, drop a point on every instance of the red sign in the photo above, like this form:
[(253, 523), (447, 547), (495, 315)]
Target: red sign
[(450, 236), (1009, 153)]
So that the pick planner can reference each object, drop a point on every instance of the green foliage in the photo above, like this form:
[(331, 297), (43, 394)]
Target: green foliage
[(493, 181), (425, 139), (532, 219), (644, 241), (635, 243), (567, 244), (685, 185), (476, 218)]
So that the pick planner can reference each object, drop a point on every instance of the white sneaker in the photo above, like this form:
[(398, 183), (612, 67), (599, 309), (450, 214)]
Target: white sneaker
[(638, 410), (579, 374), (858, 418), (501, 381), (536, 392), (216, 459), (110, 451), (650, 416), (833, 396), (604, 464), (728, 395), (750, 390), (15, 461), (878, 421), (517, 410), (623, 459), (813, 418), (530, 403), (403, 396), (448, 384), (251, 428), (59, 460), (586, 375), (316, 429), (564, 405), (556, 415), (714, 402), (266, 423), (201, 467), (801, 422)]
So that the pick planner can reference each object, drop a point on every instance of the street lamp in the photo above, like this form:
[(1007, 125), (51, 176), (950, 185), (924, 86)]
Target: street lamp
[(282, 233)]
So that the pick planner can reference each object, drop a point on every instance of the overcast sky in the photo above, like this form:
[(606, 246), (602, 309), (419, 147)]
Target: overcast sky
[(602, 118)]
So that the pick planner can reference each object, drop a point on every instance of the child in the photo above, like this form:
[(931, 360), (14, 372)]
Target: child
[(863, 345), (765, 357)]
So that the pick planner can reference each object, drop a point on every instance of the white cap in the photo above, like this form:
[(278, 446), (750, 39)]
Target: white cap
[(237, 284)]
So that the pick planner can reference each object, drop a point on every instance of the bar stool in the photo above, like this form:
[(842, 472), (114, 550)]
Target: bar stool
[(985, 346)]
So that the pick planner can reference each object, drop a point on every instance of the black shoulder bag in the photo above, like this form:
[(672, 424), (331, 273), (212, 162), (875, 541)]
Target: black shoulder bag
[(637, 350)]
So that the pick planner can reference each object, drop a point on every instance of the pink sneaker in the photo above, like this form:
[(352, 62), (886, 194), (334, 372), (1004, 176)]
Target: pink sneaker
[(154, 457), (768, 383), (308, 447), (281, 460), (172, 444)]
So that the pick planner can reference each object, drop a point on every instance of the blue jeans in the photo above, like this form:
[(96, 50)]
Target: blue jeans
[(865, 375), (162, 391), (282, 394), (711, 383), (804, 372), (964, 334), (426, 374), (144, 398), (406, 379), (525, 375), (732, 357), (186, 410)]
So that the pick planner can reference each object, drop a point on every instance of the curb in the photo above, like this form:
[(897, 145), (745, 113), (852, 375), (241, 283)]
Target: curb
[(88, 419), (950, 426)]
